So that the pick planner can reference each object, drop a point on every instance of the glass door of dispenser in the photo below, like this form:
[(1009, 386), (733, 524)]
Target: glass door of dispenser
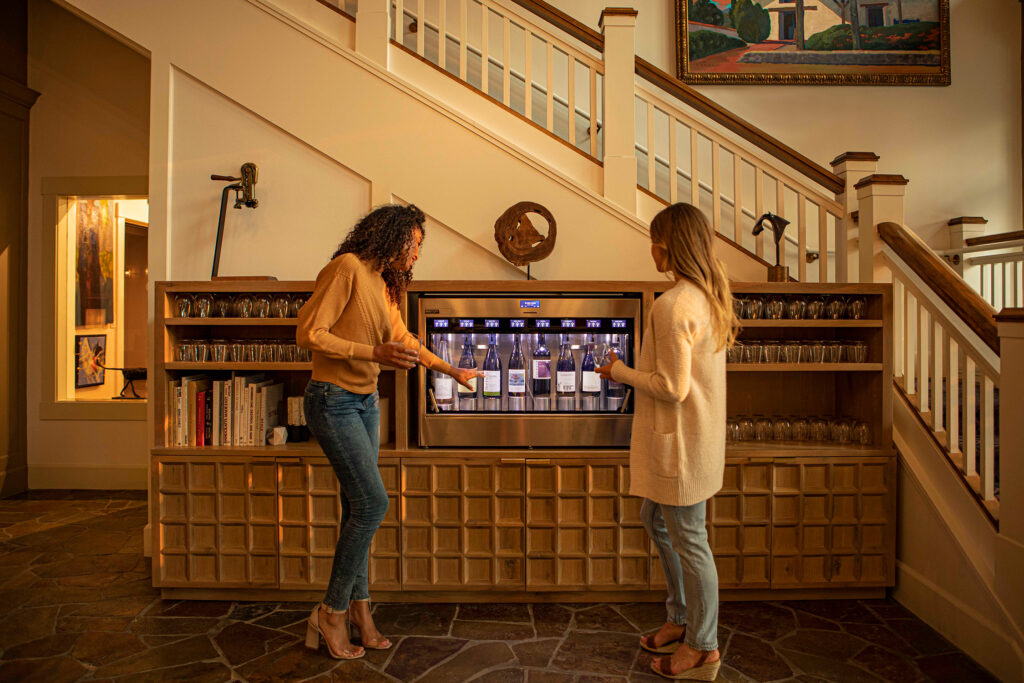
[(538, 358)]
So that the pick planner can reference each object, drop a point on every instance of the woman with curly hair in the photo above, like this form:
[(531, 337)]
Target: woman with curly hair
[(352, 325)]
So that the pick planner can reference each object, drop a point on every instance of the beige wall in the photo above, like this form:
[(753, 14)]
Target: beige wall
[(92, 120), (960, 146)]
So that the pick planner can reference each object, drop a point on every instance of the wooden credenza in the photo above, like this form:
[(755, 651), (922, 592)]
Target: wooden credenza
[(792, 519)]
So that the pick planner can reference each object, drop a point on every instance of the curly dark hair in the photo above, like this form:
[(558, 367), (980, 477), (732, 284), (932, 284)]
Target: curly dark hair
[(383, 236)]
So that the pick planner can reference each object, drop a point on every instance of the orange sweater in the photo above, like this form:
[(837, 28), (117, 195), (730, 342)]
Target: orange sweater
[(348, 314)]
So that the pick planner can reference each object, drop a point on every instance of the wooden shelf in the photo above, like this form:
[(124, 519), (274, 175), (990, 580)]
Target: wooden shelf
[(800, 449), (300, 449), (230, 322), (804, 367), (761, 322), (214, 367)]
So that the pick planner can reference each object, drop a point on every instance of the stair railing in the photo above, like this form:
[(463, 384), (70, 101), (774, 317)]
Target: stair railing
[(992, 264), (946, 360)]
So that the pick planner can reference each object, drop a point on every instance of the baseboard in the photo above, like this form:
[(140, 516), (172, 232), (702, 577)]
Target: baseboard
[(110, 477), (984, 641)]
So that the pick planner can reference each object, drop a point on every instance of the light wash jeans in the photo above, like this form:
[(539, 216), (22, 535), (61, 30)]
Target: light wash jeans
[(347, 427), (689, 568)]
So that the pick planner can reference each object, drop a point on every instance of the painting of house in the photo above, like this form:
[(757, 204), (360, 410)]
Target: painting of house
[(813, 41)]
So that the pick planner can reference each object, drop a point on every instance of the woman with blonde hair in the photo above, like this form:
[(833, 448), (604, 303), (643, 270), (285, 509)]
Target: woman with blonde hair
[(677, 450)]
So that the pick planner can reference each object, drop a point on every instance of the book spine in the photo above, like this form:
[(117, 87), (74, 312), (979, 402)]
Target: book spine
[(201, 418), (208, 421)]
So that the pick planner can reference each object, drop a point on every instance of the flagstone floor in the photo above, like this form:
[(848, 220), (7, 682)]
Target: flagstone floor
[(76, 604)]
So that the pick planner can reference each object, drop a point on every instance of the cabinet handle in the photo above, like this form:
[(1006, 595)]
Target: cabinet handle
[(513, 460)]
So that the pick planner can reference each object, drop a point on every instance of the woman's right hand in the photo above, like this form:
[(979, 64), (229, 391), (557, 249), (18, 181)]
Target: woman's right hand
[(395, 354)]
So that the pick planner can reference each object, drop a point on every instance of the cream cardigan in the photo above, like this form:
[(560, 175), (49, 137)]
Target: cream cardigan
[(677, 450)]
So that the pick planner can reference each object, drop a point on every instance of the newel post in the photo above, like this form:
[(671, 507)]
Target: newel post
[(1009, 562), (851, 167), (373, 30), (961, 229), (879, 200), (618, 25)]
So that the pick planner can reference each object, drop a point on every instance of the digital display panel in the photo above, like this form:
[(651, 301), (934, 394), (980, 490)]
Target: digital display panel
[(518, 323), (619, 323), (543, 323), (529, 303), (490, 322), (568, 322), (440, 322), (465, 322), (593, 323)]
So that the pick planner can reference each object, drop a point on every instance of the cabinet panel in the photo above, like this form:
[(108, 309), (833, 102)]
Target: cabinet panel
[(583, 530), (217, 523), (832, 523), (310, 519), (462, 525)]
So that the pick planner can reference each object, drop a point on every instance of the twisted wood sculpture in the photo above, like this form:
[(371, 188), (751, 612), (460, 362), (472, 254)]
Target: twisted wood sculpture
[(518, 241)]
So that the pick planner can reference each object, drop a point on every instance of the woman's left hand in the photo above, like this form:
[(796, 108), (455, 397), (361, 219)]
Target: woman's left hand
[(463, 375), (605, 371)]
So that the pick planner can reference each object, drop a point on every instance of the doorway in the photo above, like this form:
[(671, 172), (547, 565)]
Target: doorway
[(875, 17), (787, 25)]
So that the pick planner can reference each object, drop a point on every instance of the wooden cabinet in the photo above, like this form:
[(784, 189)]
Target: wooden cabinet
[(792, 519)]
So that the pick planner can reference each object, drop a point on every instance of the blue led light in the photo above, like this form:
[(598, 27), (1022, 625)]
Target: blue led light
[(490, 322), (440, 322), (465, 322), (529, 303), (543, 323), (568, 322), (618, 323), (593, 323), (519, 323)]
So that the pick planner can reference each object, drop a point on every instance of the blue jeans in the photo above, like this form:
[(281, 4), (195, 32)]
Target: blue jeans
[(689, 568), (347, 427)]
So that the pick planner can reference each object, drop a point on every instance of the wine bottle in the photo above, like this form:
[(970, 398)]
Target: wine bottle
[(467, 396), (565, 375), (541, 368), (613, 389), (590, 381), (443, 383), (492, 369), (516, 374)]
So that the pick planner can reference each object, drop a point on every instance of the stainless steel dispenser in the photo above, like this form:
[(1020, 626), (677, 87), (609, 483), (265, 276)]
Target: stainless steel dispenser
[(537, 402)]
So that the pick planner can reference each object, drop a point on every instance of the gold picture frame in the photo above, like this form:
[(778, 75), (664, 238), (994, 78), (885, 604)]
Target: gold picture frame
[(779, 60)]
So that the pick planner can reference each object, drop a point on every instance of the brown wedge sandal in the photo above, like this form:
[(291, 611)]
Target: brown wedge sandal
[(702, 671), (314, 633), (379, 643), (648, 643)]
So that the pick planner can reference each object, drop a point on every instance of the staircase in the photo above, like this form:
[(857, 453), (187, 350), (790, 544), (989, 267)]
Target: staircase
[(401, 100)]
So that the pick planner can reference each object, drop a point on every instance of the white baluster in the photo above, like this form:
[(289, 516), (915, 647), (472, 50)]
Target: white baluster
[(651, 170), (954, 362), (737, 197), (940, 356), (400, 22), (801, 237), (910, 344), (421, 27), (506, 56), (988, 455), (759, 209), (463, 38), (442, 34), (716, 187), (970, 419), (593, 112), (694, 181), (485, 38), (822, 243), (897, 327), (673, 160), (528, 75), (780, 210), (550, 115), (924, 348), (572, 98)]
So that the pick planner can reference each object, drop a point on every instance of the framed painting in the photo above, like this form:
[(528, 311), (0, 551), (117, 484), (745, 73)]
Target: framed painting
[(94, 262), (813, 42), (90, 357)]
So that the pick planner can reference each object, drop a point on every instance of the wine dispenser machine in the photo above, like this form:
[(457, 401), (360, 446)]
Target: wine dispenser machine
[(538, 354)]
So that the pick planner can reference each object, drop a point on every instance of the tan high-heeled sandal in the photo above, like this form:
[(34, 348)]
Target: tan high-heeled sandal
[(380, 643), (648, 643), (703, 670), (314, 633)]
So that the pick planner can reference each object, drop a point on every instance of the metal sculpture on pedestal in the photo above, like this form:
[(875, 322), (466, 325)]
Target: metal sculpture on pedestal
[(776, 273), (518, 241), (245, 195)]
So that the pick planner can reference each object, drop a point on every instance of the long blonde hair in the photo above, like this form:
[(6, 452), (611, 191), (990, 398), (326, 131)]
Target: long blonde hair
[(684, 232)]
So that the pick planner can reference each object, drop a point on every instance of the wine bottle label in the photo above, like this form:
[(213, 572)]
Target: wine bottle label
[(492, 382), (591, 381), (517, 381), (443, 388), (471, 390), (542, 369), (566, 381)]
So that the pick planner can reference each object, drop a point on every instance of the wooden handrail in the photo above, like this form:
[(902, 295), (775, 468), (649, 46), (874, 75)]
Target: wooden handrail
[(944, 282), (691, 97), (995, 239)]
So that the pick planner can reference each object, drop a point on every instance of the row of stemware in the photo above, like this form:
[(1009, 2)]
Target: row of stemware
[(799, 307), (205, 305), (841, 430), (239, 351), (797, 351)]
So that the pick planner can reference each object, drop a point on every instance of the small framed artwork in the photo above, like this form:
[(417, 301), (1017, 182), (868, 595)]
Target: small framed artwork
[(90, 357), (812, 42)]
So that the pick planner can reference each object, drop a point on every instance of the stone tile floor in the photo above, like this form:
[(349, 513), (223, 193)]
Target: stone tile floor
[(76, 604)]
